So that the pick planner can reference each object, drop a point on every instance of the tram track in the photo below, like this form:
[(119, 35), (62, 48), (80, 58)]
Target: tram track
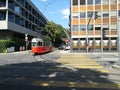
[(47, 57)]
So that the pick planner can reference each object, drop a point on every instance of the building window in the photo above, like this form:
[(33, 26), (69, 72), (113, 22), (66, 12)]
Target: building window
[(82, 2), (75, 27), (11, 4), (17, 20), (75, 15), (113, 27), (75, 2), (90, 27), (97, 27), (2, 3), (82, 14), (113, 13), (22, 2), (89, 14), (90, 1), (119, 13), (82, 27), (105, 26), (113, 1), (105, 14), (18, 10), (97, 1), (105, 1), (22, 22), (2, 15), (11, 17)]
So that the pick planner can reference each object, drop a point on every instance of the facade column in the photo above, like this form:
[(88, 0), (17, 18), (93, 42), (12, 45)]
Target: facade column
[(78, 44), (7, 11), (109, 44)]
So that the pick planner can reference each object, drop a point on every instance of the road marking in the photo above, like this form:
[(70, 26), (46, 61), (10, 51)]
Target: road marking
[(77, 84), (81, 62)]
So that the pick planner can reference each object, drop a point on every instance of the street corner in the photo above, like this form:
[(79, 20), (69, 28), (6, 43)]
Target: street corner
[(116, 66)]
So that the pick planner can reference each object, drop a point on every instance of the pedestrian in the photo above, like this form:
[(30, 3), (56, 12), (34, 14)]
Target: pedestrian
[(20, 48), (23, 48), (91, 50)]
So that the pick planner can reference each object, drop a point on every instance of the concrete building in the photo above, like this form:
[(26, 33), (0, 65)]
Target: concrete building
[(94, 21), (20, 17)]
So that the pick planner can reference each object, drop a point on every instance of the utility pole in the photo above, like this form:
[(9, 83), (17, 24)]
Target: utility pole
[(87, 40)]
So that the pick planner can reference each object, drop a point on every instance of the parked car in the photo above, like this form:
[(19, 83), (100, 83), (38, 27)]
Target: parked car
[(61, 47), (67, 48)]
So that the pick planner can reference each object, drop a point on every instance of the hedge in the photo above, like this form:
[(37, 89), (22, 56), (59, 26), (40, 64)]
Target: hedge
[(4, 44)]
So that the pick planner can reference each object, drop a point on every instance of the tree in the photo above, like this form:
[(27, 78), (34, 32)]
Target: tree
[(54, 32)]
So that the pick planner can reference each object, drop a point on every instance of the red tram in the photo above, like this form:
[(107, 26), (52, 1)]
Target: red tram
[(40, 46)]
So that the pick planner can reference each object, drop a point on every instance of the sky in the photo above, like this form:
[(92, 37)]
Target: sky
[(55, 10)]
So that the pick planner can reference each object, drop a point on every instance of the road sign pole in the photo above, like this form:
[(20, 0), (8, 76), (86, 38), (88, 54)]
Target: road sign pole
[(26, 40)]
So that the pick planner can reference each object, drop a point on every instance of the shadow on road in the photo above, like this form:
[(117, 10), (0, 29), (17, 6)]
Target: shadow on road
[(50, 76)]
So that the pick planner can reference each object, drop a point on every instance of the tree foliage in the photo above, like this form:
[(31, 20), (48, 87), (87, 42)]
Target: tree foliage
[(54, 33)]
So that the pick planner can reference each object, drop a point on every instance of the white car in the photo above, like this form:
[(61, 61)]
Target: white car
[(67, 48)]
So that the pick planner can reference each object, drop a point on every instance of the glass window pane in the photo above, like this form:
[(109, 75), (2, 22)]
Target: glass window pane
[(82, 15), (75, 15), (90, 27), (75, 27), (89, 14), (90, 1), (2, 15), (2, 3), (82, 2), (75, 2), (113, 27), (105, 14), (105, 1), (17, 20), (97, 1), (97, 27), (82, 27), (11, 17), (11, 4), (105, 26), (113, 13), (113, 1)]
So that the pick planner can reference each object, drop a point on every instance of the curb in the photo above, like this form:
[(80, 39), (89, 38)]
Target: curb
[(19, 52), (116, 66)]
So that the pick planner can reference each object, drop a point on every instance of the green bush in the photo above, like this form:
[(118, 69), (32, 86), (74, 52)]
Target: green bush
[(16, 42), (4, 44)]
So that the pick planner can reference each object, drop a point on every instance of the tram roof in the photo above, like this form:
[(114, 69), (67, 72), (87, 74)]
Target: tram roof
[(37, 40)]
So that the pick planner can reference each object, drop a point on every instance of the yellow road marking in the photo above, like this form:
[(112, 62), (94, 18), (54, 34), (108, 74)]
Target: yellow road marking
[(77, 84), (80, 61)]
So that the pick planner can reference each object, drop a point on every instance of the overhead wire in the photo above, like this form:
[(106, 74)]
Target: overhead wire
[(46, 5)]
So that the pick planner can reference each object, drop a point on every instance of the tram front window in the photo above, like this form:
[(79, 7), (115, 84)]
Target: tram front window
[(34, 43)]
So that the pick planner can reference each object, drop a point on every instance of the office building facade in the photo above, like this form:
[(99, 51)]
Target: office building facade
[(94, 24), (20, 17)]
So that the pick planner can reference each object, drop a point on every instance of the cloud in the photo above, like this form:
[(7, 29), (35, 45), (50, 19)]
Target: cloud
[(44, 1), (65, 13)]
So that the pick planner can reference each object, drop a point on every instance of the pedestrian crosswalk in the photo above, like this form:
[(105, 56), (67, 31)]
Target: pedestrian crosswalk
[(81, 62)]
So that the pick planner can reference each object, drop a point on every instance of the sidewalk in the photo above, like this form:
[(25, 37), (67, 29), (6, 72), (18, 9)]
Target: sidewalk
[(18, 52)]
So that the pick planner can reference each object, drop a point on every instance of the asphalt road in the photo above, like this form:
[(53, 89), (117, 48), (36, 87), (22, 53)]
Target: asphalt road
[(21, 71)]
